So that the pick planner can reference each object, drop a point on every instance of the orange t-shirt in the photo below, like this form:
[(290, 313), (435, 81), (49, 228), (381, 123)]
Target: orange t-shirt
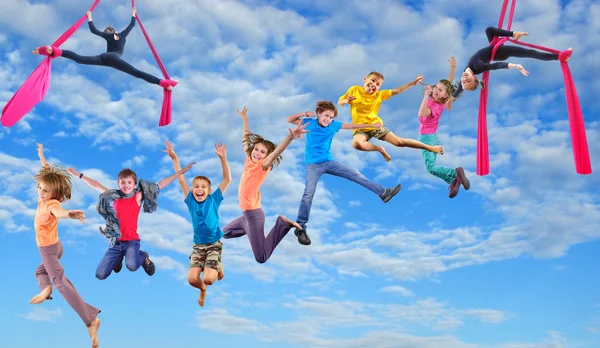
[(249, 189), (45, 223)]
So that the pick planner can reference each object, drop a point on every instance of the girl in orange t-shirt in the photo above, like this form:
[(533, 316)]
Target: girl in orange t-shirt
[(54, 187), (262, 156)]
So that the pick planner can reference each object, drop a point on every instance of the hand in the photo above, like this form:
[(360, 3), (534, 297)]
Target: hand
[(452, 61), (349, 99), (169, 151), (77, 215), (519, 34), (72, 171), (428, 90), (522, 69), (298, 131), (243, 112), (88, 14), (221, 150), (419, 79), (186, 168), (377, 125), (133, 12), (40, 149), (309, 114)]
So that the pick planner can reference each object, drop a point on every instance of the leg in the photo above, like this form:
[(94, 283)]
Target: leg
[(116, 62), (344, 171), (134, 258), (262, 246), (446, 174), (506, 51), (111, 259), (197, 261), (313, 174), (235, 228), (212, 265), (360, 141), (415, 144), (490, 32), (85, 60), (44, 283)]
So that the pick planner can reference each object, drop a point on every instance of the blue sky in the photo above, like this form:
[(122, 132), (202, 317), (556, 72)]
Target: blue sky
[(512, 263)]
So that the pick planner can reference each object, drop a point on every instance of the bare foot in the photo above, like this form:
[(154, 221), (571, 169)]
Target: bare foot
[(519, 34), (202, 296), (93, 331), (569, 49), (48, 50), (385, 154), (437, 149), (42, 296), (221, 272), (290, 222)]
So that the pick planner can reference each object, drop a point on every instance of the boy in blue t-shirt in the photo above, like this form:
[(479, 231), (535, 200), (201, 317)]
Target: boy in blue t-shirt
[(203, 205), (319, 160)]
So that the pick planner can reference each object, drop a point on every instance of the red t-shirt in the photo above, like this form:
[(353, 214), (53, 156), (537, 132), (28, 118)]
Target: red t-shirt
[(128, 212)]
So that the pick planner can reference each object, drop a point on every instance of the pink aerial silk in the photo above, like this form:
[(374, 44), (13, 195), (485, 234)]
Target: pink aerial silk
[(35, 87), (581, 153)]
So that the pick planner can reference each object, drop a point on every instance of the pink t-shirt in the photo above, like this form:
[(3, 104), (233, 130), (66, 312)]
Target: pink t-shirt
[(429, 124)]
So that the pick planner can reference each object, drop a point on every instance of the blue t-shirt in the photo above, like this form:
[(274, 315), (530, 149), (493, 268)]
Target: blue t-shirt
[(318, 140), (205, 217)]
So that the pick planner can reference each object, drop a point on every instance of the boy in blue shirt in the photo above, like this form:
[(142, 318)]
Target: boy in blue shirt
[(203, 205), (319, 160)]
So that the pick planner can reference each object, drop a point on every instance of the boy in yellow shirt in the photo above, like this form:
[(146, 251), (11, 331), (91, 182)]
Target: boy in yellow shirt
[(364, 103)]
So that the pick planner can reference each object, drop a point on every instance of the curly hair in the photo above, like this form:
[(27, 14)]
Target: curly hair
[(251, 140), (58, 181)]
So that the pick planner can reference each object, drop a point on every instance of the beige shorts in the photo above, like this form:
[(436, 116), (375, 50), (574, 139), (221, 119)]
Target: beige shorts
[(207, 255), (378, 133)]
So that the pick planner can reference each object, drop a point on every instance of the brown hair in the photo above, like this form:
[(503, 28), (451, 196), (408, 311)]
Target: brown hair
[(58, 181), (251, 139), (201, 177), (450, 88), (110, 30), (378, 74), (125, 173), (324, 105)]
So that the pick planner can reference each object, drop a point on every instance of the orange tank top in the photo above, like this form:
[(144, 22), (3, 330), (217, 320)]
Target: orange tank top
[(249, 189), (45, 223)]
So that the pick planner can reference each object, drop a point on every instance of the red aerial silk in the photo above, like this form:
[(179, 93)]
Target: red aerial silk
[(581, 153)]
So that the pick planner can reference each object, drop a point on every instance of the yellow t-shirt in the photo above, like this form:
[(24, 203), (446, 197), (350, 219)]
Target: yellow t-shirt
[(249, 190), (365, 108), (45, 223)]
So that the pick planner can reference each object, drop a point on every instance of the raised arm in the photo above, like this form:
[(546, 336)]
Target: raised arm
[(403, 88), (181, 178), (40, 150), (243, 114), (297, 118), (125, 32), (166, 181), (424, 110), (91, 182), (296, 133), (221, 152), (360, 126), (62, 213), (452, 62)]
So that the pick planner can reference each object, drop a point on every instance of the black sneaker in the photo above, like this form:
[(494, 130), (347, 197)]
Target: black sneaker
[(119, 267), (302, 237), (389, 193), (148, 265)]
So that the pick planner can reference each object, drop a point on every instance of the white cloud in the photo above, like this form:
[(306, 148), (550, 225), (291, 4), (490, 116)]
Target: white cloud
[(42, 314), (398, 289)]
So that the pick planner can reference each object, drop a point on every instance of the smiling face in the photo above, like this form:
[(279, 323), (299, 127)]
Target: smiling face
[(45, 192), (372, 83), (469, 81), (200, 189), (440, 92), (259, 153), (126, 184), (326, 117)]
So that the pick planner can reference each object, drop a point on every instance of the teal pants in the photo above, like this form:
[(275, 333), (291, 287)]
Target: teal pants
[(446, 174)]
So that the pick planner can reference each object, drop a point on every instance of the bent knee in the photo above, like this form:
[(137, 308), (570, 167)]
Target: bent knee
[(209, 280), (101, 276), (132, 267), (261, 259)]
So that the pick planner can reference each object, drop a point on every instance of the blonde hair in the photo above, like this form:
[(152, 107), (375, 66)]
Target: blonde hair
[(251, 140), (58, 181), (450, 88)]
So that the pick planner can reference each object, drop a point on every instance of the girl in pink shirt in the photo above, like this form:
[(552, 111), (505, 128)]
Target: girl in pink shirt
[(262, 156), (430, 112)]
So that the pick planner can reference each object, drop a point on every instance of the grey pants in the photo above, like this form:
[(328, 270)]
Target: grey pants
[(51, 269), (252, 223)]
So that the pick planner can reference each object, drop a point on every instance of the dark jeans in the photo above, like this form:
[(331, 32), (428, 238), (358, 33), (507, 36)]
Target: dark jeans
[(134, 258)]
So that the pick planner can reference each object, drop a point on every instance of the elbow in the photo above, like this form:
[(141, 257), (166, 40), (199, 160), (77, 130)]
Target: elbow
[(340, 103)]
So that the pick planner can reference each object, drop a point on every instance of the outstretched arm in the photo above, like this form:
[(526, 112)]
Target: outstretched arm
[(452, 62), (296, 133), (246, 131), (125, 32), (40, 150), (62, 213), (166, 181), (360, 126), (297, 118), (91, 182), (403, 88), (424, 110), (181, 178), (221, 152)]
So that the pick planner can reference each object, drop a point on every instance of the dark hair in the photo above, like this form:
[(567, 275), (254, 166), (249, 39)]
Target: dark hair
[(251, 140), (324, 105), (378, 74), (127, 173), (58, 181), (110, 29)]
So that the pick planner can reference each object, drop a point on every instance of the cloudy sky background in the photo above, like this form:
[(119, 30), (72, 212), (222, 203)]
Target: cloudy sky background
[(512, 263)]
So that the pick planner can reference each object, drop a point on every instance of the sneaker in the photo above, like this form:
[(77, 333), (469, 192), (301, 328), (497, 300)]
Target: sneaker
[(119, 267), (148, 265), (460, 175), (390, 193), (454, 187), (302, 237)]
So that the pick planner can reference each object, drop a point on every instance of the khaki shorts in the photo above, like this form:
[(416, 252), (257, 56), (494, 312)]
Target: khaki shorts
[(375, 133), (207, 255)]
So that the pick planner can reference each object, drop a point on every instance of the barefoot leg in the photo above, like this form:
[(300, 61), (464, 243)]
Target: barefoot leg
[(93, 332), (42, 296), (202, 296), (221, 272), (384, 153)]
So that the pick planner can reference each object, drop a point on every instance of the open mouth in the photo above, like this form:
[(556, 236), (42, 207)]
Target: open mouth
[(200, 195)]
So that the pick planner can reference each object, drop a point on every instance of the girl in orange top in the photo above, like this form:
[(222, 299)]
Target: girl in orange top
[(262, 156), (54, 187)]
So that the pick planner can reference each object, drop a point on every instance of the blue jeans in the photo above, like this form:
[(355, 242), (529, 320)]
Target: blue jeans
[(314, 171), (134, 258)]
